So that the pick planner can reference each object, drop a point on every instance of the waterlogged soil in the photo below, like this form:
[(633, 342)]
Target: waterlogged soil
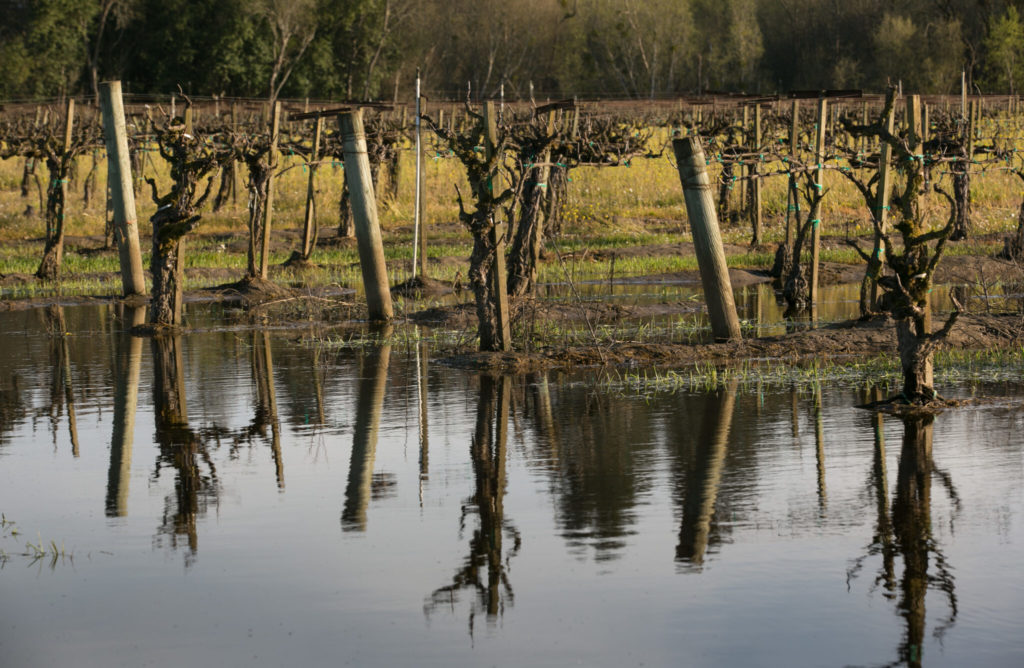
[(340, 308), (836, 341)]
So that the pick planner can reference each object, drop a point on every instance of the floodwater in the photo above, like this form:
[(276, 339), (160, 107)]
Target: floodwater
[(242, 498)]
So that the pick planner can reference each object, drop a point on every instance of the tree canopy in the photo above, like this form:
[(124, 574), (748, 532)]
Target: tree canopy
[(371, 49)]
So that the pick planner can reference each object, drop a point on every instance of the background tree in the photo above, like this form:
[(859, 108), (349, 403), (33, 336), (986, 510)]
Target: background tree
[(1005, 48)]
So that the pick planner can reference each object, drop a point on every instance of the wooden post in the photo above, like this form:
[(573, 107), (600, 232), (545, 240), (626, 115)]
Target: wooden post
[(707, 240), (915, 133), (419, 244), (498, 279), (268, 208), (741, 168), (422, 184), (234, 165), (863, 142), (971, 130), (794, 146), (309, 230), (819, 183), (755, 174), (364, 212), (119, 181), (882, 198)]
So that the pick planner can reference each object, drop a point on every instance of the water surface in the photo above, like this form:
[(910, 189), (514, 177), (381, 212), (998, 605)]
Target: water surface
[(248, 498)]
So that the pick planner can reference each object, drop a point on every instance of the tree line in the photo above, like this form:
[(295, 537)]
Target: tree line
[(371, 49)]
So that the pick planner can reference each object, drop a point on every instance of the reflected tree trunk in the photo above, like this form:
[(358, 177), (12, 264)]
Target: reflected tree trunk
[(905, 531), (486, 547), (127, 362), (180, 447), (369, 402), (911, 518)]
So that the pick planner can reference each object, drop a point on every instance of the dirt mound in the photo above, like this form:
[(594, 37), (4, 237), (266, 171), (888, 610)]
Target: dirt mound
[(421, 286), (14, 279), (252, 290)]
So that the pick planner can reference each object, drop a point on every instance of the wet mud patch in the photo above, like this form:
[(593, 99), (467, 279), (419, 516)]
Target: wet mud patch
[(845, 340)]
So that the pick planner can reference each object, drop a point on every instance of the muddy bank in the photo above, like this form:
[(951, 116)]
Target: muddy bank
[(836, 341)]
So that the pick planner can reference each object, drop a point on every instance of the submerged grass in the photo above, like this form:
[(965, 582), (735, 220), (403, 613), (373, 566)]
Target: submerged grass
[(48, 552)]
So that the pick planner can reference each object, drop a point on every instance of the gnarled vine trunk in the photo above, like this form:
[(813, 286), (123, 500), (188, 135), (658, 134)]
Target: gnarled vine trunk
[(962, 198), (259, 182), (346, 225), (167, 263), (915, 359), (56, 201), (525, 250)]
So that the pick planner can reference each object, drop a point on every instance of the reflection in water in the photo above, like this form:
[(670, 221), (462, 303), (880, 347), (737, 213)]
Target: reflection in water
[(544, 415), (596, 455), (422, 361), (488, 452), (703, 473), (126, 363), (906, 532), (265, 414), (373, 380), (180, 447), (819, 445), (61, 389)]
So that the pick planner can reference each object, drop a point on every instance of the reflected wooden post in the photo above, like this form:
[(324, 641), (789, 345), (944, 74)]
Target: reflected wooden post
[(364, 209), (883, 524), (495, 527), (545, 415), (127, 362), (369, 402), (422, 361), (702, 488), (819, 450), (263, 370), (794, 398), (121, 188), (489, 449), (707, 240), (62, 388)]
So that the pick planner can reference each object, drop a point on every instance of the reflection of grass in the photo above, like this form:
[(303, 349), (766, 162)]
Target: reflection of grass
[(951, 366)]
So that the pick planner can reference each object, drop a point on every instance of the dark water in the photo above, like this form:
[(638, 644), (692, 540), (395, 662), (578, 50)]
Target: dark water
[(246, 498)]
